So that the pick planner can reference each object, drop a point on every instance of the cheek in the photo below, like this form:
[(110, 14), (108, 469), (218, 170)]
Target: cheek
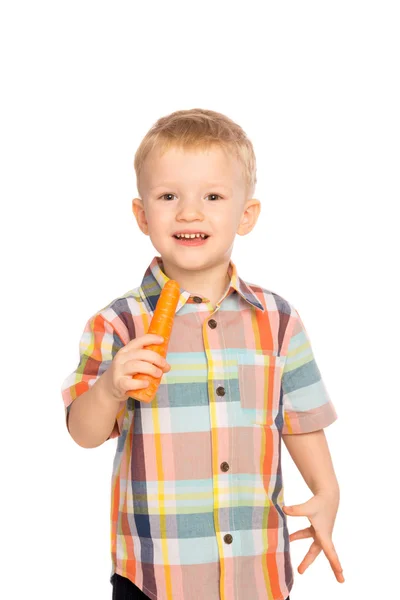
[(226, 215), (157, 219), (228, 223)]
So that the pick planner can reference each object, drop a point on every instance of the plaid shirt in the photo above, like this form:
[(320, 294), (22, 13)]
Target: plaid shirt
[(197, 491)]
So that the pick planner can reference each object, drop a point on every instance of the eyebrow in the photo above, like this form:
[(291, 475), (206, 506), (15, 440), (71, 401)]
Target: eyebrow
[(172, 184)]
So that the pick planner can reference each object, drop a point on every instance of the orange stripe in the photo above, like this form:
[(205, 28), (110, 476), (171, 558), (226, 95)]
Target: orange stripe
[(98, 332), (270, 569), (264, 333)]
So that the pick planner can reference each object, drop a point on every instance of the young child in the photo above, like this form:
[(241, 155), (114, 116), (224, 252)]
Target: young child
[(197, 506)]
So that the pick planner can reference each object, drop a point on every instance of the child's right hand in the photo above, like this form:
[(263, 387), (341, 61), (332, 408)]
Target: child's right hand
[(130, 359)]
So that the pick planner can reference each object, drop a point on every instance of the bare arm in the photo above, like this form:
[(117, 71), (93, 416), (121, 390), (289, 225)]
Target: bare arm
[(311, 455), (92, 415)]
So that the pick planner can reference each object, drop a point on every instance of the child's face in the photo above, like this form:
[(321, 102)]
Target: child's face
[(200, 191)]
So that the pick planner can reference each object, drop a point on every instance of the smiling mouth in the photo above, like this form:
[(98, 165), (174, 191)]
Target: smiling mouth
[(192, 241), (200, 237)]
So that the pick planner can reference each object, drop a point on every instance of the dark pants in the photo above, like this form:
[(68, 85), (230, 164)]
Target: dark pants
[(124, 589)]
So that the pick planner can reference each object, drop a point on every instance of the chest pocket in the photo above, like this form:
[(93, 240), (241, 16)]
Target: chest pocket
[(259, 379)]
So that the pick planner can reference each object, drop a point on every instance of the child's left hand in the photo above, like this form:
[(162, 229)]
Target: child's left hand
[(321, 510)]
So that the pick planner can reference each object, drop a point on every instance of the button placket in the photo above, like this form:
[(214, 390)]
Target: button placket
[(220, 390)]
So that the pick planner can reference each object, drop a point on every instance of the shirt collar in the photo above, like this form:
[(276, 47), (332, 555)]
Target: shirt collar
[(154, 280)]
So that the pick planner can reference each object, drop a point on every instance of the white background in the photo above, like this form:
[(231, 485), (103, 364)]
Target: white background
[(315, 85)]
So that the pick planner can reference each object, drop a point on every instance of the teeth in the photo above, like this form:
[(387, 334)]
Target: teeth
[(190, 235)]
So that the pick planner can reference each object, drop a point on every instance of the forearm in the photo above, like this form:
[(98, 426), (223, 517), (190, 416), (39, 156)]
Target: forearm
[(92, 415), (311, 455)]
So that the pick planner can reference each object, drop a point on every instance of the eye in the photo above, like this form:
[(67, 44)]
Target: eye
[(163, 196), (169, 194)]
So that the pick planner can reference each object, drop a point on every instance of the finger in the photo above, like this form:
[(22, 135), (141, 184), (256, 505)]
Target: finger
[(305, 509), (301, 534), (127, 384), (150, 356), (131, 367), (331, 555), (140, 342), (309, 558), (153, 337)]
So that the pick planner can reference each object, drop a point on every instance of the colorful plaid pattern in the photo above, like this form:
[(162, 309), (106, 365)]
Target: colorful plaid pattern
[(197, 491)]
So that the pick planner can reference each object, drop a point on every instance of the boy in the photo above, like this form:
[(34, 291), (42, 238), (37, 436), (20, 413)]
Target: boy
[(197, 507)]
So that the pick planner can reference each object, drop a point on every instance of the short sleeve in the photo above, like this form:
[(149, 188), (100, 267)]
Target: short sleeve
[(306, 402), (98, 345)]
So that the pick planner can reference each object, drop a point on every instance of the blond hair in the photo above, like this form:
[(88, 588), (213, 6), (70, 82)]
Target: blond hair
[(198, 128)]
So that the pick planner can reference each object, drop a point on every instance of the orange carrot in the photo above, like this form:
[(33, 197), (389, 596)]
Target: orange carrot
[(161, 324)]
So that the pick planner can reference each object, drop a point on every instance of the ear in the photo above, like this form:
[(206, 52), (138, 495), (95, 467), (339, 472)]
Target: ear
[(138, 210), (251, 212)]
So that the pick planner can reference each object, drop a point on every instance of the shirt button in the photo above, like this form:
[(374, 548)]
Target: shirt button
[(224, 467), (197, 299), (228, 538), (220, 391), (212, 323)]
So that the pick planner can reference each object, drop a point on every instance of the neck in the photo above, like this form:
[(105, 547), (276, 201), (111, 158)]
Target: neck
[(210, 283)]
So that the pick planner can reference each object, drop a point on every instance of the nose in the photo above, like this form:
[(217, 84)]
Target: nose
[(189, 209)]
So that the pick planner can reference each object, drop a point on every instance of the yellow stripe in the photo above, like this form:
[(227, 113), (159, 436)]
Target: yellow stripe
[(214, 433), (242, 489), (287, 422), (161, 497)]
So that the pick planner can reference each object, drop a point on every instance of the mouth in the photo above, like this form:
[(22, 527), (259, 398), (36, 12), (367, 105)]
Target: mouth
[(192, 241)]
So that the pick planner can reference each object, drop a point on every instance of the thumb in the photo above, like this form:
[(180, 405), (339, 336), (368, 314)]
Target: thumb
[(299, 510)]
